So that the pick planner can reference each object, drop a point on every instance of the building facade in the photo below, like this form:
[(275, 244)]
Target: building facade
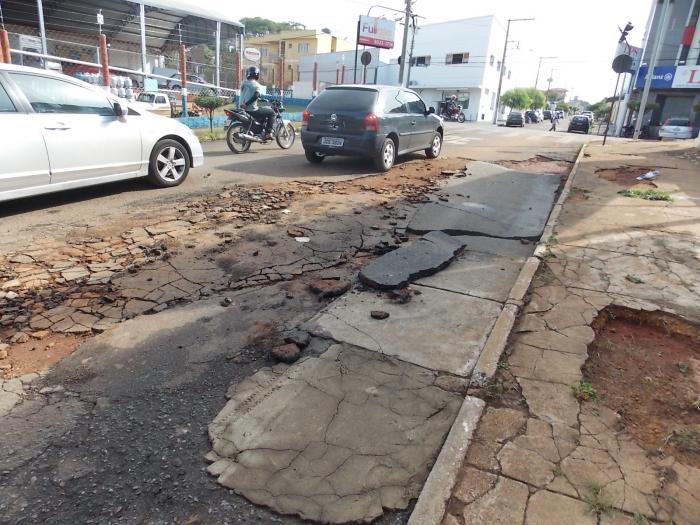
[(675, 87), (281, 53), (462, 58)]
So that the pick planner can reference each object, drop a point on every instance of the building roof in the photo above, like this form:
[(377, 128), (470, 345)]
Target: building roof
[(225, 14)]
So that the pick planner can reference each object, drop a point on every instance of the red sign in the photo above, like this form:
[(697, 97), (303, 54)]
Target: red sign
[(376, 32)]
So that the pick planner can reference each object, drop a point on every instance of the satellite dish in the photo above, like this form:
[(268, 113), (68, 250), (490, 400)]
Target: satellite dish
[(622, 64)]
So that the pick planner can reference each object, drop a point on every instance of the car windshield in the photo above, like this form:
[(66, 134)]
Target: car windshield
[(344, 99), (677, 122), (579, 119), (146, 97)]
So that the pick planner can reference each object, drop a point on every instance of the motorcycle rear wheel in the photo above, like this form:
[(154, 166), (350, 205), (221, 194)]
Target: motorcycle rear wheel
[(285, 136), (234, 142)]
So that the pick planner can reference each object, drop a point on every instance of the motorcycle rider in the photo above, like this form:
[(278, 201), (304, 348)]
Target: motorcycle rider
[(451, 106), (251, 92)]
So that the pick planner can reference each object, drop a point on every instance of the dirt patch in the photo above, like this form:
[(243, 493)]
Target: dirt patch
[(38, 355), (626, 175), (646, 367), (539, 164)]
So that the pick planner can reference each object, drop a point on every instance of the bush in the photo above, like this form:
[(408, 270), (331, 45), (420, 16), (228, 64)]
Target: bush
[(210, 103)]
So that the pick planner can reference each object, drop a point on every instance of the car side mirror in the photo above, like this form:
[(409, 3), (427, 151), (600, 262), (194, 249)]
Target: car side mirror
[(119, 109), (431, 110)]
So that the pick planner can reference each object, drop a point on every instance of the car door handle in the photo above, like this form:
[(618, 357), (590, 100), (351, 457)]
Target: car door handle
[(57, 127), (413, 123)]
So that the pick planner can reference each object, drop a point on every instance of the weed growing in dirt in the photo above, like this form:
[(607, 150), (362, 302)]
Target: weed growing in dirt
[(503, 365), (556, 470), (548, 254), (686, 439), (682, 367), (493, 390), (595, 500), (633, 279), (552, 239), (649, 195), (584, 391), (639, 519)]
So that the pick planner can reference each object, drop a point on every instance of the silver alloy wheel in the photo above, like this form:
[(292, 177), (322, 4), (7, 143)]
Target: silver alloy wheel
[(388, 154), (437, 144), (171, 163), (286, 136)]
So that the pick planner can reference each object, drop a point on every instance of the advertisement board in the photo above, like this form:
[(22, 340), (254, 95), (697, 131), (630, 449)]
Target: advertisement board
[(376, 32), (663, 77), (252, 54), (687, 77)]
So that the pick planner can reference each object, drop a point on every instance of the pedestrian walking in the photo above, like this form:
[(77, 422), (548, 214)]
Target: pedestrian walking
[(554, 121)]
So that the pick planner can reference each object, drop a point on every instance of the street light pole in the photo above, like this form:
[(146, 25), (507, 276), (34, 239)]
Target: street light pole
[(407, 20), (503, 66), (539, 65)]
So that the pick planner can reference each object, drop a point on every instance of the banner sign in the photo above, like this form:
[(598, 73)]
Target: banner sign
[(376, 32), (663, 76), (687, 77)]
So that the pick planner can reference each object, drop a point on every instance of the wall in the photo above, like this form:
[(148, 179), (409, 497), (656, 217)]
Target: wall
[(329, 64)]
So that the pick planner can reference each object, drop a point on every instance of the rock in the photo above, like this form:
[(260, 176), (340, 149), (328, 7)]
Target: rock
[(14, 283), (428, 255), (454, 384), (5, 366), (402, 296), (11, 295), (295, 232), (326, 288), (19, 337), (379, 314), (300, 338), (3, 354), (55, 389), (226, 301), (40, 334), (448, 172), (286, 353)]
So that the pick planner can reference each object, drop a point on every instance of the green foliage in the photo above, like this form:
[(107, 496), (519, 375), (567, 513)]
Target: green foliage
[(682, 367), (596, 501), (640, 519), (649, 195), (633, 279), (600, 109), (259, 26), (634, 103), (210, 103), (563, 106), (584, 391), (516, 98), (537, 99)]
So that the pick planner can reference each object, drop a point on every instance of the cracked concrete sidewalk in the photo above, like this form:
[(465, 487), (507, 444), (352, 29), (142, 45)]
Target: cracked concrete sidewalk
[(551, 459)]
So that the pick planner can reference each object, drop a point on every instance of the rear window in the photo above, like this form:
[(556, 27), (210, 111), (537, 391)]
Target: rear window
[(580, 119), (677, 122), (344, 100)]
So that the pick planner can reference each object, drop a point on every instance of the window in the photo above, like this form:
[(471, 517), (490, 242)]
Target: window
[(304, 48), (491, 60), (457, 58), (290, 46), (393, 104), (413, 102), (51, 95), (344, 99), (263, 52), (6, 105), (422, 61)]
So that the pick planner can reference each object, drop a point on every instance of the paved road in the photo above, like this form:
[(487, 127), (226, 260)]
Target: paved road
[(122, 439)]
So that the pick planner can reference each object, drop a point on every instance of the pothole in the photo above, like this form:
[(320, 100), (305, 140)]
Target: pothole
[(626, 175), (646, 367), (539, 164)]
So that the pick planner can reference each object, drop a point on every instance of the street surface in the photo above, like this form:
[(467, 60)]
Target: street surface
[(153, 306)]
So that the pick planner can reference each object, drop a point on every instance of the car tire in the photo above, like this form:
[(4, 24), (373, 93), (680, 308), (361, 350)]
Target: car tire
[(169, 164), (433, 151), (314, 157), (386, 156)]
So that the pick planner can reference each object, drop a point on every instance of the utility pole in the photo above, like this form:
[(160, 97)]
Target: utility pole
[(407, 20), (549, 86), (410, 55), (503, 67), (539, 65), (660, 35)]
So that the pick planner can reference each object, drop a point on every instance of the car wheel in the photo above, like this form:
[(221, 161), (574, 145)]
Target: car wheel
[(169, 164), (385, 158), (176, 87), (433, 151), (314, 157)]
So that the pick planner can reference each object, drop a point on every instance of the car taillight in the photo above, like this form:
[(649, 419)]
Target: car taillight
[(305, 117), (371, 122)]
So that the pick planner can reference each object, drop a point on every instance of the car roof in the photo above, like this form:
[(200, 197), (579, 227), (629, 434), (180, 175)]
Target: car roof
[(373, 87)]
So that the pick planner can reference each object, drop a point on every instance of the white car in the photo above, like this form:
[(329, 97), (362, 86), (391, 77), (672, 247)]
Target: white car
[(58, 133), (588, 115), (676, 128), (156, 103)]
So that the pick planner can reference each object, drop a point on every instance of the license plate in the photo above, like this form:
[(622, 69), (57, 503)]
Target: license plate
[(332, 141)]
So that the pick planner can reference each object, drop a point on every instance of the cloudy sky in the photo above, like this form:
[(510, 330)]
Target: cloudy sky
[(583, 35)]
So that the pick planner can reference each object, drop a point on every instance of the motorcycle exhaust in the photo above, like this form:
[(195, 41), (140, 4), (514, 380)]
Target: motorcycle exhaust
[(251, 138)]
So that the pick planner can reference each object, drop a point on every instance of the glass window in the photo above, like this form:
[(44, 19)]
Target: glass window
[(304, 47), (344, 99), (6, 105), (393, 104), (422, 61), (51, 95), (457, 58), (413, 102)]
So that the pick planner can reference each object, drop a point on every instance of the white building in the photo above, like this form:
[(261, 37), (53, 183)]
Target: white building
[(463, 58)]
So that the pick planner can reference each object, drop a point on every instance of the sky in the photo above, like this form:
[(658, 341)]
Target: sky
[(582, 35)]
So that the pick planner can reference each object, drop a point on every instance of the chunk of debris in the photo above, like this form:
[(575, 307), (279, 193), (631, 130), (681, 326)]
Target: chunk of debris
[(326, 288), (379, 314), (300, 338), (296, 232), (286, 353)]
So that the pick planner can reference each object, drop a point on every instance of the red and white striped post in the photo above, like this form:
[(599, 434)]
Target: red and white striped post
[(5, 55)]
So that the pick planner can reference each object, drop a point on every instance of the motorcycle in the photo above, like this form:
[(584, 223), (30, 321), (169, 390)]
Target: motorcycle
[(242, 129), (628, 131), (453, 113)]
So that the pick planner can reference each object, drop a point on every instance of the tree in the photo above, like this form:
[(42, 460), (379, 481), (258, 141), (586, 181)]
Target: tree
[(537, 99), (600, 109), (516, 98), (210, 103), (563, 106), (260, 26)]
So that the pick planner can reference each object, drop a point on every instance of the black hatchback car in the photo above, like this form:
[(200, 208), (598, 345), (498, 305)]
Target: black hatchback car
[(377, 122), (579, 123), (515, 118)]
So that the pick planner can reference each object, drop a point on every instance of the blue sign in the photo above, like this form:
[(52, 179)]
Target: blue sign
[(663, 76)]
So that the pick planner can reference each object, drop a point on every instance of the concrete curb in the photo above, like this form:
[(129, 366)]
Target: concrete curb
[(437, 490), (432, 502)]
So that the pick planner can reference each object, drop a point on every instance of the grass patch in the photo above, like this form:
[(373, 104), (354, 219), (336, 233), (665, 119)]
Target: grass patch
[(639, 519), (633, 279), (682, 367), (204, 135), (556, 470), (584, 391), (686, 438), (580, 192), (596, 501), (649, 195)]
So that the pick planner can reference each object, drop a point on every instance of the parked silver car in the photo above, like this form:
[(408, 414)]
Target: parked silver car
[(58, 133)]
